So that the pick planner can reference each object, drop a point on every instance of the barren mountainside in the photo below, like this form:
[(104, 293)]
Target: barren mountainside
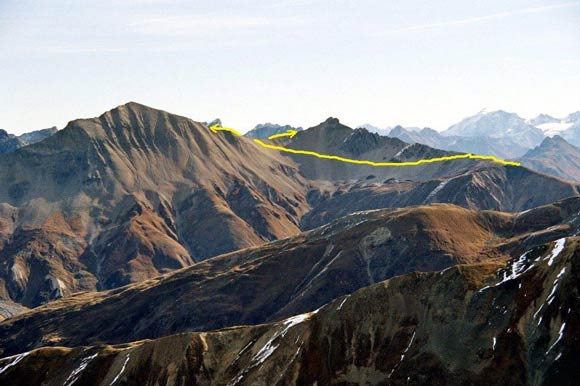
[(290, 276), (479, 324), (555, 156), (131, 194)]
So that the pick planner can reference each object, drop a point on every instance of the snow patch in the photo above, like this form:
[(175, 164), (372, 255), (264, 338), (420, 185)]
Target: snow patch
[(342, 303), (402, 150), (513, 271), (559, 338), (15, 360), (558, 248), (270, 347), (122, 370), (554, 128), (74, 376), (551, 296), (436, 190)]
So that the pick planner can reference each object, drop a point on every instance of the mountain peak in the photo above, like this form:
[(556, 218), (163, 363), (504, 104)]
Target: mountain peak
[(331, 121), (573, 117), (498, 124), (554, 141)]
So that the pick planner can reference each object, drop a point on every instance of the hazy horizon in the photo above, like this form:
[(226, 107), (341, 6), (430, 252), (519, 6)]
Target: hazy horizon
[(291, 62)]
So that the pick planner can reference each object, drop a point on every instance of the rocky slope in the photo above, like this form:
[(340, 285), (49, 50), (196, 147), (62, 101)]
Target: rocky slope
[(554, 156), (132, 194), (333, 138), (9, 143), (290, 276), (504, 188), (477, 324)]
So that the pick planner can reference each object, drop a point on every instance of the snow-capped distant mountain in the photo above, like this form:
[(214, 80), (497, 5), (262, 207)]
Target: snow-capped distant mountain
[(574, 117), (554, 128), (551, 126), (498, 124), (385, 131), (499, 147), (374, 129), (542, 119)]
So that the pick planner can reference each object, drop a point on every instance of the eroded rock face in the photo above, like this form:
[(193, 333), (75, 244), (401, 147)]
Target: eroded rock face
[(481, 324)]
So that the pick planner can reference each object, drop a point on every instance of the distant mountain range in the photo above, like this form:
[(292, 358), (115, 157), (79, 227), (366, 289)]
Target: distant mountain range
[(497, 124), (504, 147), (505, 135), (11, 142)]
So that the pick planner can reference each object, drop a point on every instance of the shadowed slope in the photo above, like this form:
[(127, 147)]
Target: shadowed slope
[(477, 324), (290, 276)]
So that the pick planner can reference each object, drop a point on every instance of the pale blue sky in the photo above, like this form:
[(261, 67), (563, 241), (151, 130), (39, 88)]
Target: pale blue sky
[(417, 63)]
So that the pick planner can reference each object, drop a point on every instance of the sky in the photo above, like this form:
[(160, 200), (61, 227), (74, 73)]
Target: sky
[(384, 62)]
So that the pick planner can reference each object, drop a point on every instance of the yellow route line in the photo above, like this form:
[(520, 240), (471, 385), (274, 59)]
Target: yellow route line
[(215, 129), (289, 133)]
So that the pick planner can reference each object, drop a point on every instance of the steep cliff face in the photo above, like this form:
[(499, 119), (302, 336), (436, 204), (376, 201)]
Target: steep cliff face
[(132, 194), (290, 276), (478, 324)]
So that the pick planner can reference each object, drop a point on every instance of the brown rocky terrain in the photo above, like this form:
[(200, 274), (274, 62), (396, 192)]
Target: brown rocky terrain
[(555, 156), (493, 187), (478, 324), (290, 276), (344, 188), (332, 137), (132, 194)]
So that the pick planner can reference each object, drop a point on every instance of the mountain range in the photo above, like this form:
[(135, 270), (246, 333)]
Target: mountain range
[(142, 247), (504, 135)]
